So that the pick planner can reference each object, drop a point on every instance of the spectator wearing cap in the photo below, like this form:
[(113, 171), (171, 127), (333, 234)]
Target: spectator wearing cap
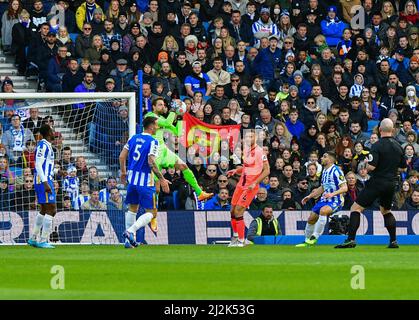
[(387, 100), (288, 201), (98, 26), (184, 12), (122, 26), (264, 27), (400, 64), (122, 75), (303, 85), (413, 69), (115, 50), (404, 110), (99, 75), (85, 12), (20, 35), (191, 43), (71, 183), (128, 40), (44, 53), (161, 58), (312, 23), (332, 27), (109, 85), (6, 196), (300, 191), (133, 13), (268, 60)]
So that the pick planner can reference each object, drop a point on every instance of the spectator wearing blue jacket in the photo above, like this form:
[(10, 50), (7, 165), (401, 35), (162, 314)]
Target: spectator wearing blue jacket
[(122, 76), (332, 27), (303, 85), (400, 65), (219, 201), (268, 60), (57, 67), (295, 126)]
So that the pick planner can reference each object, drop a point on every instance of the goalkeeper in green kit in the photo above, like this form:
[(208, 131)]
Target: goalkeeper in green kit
[(167, 158)]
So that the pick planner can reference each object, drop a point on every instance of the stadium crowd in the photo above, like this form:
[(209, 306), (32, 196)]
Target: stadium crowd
[(312, 75)]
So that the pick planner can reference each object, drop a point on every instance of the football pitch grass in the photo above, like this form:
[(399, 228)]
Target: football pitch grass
[(209, 272)]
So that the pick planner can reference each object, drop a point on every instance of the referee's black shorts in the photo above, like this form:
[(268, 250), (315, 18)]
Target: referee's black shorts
[(378, 189)]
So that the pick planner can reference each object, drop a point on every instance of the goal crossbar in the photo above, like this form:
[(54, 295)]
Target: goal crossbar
[(130, 96)]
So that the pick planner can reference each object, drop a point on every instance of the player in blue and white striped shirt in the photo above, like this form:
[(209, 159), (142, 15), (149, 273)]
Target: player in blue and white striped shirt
[(141, 152), (44, 188), (332, 189), (83, 197)]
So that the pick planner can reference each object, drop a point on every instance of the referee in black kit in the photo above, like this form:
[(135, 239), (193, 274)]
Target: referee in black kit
[(385, 159)]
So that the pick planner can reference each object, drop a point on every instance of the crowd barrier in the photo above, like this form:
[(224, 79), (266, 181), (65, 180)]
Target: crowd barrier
[(180, 227)]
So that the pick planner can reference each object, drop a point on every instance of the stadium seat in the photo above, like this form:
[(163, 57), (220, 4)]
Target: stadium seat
[(16, 171), (176, 205), (73, 36), (206, 25), (371, 125)]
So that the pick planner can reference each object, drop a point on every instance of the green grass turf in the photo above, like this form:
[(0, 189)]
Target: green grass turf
[(209, 272)]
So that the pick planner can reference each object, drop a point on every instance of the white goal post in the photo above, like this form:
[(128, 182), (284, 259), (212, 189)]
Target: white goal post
[(18, 203)]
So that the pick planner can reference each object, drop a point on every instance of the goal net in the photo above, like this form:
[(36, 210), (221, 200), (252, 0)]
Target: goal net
[(90, 130)]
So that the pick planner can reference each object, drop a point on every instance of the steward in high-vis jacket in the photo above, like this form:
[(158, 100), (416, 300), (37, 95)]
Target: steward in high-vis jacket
[(264, 225)]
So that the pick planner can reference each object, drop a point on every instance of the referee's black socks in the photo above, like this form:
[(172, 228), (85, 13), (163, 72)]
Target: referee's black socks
[(354, 222), (390, 224)]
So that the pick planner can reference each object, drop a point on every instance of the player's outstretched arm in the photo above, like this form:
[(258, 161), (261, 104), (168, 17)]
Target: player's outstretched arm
[(164, 184), (237, 171), (313, 195), (123, 165)]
